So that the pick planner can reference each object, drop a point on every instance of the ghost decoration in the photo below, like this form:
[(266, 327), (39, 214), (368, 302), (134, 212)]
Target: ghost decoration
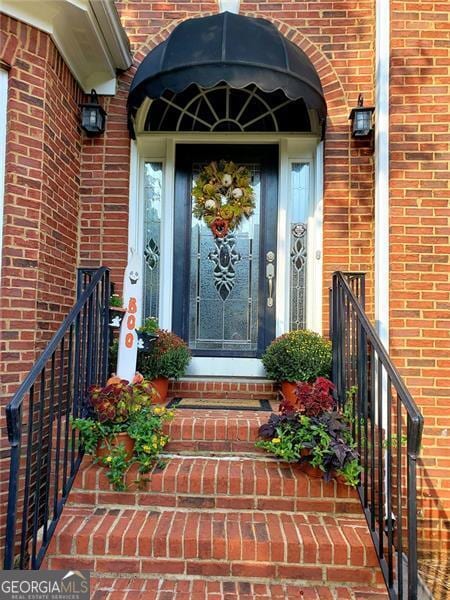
[(132, 301)]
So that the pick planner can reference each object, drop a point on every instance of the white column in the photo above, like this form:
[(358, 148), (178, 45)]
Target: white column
[(382, 170)]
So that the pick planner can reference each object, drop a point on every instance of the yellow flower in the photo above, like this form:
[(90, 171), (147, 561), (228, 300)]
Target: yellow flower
[(155, 445), (276, 441), (154, 438), (157, 410), (146, 448), (108, 459)]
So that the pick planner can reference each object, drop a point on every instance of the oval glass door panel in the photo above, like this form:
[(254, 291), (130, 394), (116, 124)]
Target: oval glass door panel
[(224, 281)]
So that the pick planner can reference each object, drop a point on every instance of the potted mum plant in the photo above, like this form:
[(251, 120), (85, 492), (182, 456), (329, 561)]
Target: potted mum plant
[(313, 433), (122, 427), (301, 355), (167, 359)]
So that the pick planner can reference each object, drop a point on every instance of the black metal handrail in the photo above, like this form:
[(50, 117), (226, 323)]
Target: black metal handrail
[(387, 428), (44, 450)]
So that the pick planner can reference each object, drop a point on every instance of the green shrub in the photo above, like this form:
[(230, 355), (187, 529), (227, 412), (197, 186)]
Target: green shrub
[(298, 356), (169, 357)]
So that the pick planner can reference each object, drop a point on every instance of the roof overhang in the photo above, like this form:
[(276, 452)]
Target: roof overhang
[(87, 33)]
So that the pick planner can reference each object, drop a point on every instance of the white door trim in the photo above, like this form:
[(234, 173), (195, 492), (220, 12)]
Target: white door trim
[(293, 148)]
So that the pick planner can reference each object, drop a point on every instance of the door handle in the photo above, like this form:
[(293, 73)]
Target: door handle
[(270, 274)]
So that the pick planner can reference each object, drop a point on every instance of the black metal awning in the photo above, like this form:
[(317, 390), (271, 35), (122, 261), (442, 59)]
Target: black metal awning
[(227, 48)]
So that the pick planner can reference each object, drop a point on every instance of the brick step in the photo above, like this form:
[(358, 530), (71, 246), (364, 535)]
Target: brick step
[(152, 588), (262, 389), (212, 431), (202, 482), (308, 547)]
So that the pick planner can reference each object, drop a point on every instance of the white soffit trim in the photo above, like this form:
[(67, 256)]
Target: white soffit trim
[(231, 6), (382, 199), (87, 33)]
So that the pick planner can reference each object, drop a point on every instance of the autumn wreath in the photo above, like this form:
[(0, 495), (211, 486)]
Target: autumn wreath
[(223, 196)]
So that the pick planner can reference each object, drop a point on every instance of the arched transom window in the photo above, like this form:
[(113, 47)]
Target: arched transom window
[(226, 109)]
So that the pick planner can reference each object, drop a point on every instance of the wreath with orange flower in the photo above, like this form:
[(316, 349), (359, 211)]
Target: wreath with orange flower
[(223, 196)]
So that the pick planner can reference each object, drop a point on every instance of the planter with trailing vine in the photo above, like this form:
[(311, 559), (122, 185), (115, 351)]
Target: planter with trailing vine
[(313, 434), (123, 428)]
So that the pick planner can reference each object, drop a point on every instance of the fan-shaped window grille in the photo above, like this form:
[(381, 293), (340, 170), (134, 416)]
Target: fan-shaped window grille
[(223, 108)]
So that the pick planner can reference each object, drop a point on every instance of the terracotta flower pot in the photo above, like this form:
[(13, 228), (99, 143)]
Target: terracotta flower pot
[(288, 391), (307, 468), (103, 446), (161, 385)]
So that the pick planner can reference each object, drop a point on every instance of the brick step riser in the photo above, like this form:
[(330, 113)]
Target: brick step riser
[(223, 389), (192, 427), (236, 447), (310, 574), (220, 482), (154, 500)]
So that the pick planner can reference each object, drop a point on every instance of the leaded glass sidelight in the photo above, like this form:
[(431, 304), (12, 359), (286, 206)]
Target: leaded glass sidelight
[(153, 173), (298, 227), (224, 278)]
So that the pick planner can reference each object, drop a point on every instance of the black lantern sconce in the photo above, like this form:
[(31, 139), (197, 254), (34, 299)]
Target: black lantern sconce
[(361, 118), (93, 116)]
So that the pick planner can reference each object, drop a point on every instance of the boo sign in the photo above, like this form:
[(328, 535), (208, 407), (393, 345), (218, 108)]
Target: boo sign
[(132, 302)]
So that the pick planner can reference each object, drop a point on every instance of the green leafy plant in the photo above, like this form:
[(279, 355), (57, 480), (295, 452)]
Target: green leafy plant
[(115, 301), (313, 432), (169, 357), (120, 407), (351, 472), (150, 325), (298, 356)]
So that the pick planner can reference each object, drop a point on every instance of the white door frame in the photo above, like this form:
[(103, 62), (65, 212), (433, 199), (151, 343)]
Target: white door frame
[(293, 148)]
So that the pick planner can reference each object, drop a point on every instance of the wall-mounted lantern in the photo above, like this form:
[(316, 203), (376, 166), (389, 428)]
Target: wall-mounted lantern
[(93, 116), (361, 118)]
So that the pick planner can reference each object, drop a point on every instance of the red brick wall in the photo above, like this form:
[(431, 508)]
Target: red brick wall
[(420, 247), (41, 209), (41, 197)]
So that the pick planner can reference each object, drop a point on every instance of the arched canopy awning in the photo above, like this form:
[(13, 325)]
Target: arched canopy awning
[(229, 48)]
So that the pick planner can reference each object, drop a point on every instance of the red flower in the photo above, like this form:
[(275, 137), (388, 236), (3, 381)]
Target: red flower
[(219, 227), (316, 398)]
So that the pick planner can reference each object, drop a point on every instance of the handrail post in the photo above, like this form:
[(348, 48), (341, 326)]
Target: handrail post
[(105, 324), (13, 417), (411, 474), (334, 330)]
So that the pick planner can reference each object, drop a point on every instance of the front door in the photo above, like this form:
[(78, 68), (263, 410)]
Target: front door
[(224, 288)]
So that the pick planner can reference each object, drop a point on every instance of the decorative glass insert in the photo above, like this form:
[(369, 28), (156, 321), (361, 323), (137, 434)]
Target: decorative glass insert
[(223, 108), (223, 303), (299, 212), (152, 236)]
